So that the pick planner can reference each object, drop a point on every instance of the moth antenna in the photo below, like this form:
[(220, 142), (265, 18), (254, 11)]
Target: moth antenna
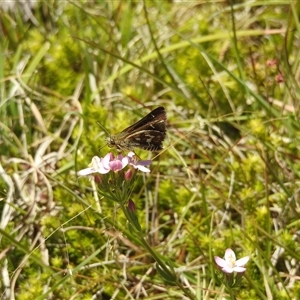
[(107, 133), (103, 128), (99, 149)]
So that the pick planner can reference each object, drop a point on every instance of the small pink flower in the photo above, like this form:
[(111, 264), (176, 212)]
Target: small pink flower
[(115, 164), (96, 166), (229, 264), (271, 62), (118, 163), (140, 165)]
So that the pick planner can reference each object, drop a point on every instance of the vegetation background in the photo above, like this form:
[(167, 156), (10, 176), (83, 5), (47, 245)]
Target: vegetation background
[(227, 73)]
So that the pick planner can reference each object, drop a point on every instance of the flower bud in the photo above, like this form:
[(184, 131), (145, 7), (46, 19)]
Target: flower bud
[(128, 174), (97, 179), (131, 206)]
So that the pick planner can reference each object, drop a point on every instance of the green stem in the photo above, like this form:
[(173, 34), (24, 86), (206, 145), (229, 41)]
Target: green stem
[(170, 274)]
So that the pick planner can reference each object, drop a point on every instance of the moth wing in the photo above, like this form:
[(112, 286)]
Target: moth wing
[(158, 113)]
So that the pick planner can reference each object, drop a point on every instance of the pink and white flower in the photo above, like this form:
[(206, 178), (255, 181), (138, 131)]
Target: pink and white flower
[(111, 163), (229, 264)]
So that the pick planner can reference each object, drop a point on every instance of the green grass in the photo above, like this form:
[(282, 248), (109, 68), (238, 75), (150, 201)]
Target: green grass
[(228, 177)]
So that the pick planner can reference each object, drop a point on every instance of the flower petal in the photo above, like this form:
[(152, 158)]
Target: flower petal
[(125, 161), (115, 165), (85, 172), (131, 154), (229, 255), (239, 269), (140, 165), (242, 261), (96, 162), (221, 262), (106, 159), (98, 166), (144, 162), (142, 168), (227, 269)]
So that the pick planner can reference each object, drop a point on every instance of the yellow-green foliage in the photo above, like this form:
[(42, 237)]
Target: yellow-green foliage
[(228, 176)]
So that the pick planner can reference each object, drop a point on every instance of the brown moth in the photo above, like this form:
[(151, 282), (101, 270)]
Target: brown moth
[(148, 133)]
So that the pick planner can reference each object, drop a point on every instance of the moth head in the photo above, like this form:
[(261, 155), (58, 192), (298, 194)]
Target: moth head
[(110, 141)]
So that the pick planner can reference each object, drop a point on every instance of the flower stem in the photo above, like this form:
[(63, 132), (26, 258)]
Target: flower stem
[(164, 269)]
